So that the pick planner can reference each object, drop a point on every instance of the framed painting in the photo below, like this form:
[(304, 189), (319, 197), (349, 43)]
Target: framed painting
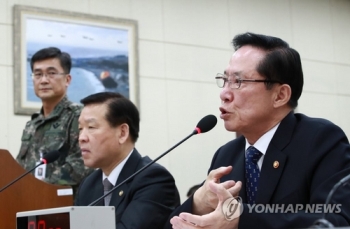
[(103, 51)]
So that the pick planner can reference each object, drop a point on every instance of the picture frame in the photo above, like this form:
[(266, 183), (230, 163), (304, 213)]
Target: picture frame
[(104, 52)]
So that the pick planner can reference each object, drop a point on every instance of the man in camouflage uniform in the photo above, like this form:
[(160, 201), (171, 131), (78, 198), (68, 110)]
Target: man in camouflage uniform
[(55, 127)]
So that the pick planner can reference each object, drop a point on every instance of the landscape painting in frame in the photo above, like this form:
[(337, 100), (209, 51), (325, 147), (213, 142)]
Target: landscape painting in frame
[(103, 52)]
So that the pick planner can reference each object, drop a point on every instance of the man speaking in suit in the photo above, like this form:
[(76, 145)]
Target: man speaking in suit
[(108, 130), (284, 164)]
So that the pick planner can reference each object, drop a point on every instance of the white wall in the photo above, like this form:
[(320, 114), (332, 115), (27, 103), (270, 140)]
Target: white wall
[(182, 45)]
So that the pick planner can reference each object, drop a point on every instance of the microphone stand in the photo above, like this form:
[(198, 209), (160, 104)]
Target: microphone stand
[(8, 185), (323, 222), (143, 168)]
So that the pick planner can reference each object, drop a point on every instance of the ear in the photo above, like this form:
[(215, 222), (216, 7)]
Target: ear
[(123, 133), (68, 79), (282, 96)]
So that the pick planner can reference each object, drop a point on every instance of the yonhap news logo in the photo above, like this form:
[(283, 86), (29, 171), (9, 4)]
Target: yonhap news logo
[(294, 208), (233, 207)]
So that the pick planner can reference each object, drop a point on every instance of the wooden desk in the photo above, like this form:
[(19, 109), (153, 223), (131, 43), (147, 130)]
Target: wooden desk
[(26, 194)]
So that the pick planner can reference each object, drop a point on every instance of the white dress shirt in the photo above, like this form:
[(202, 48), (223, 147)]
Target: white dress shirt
[(262, 143)]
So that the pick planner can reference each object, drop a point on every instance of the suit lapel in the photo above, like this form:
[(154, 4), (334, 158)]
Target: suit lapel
[(238, 171), (96, 190), (232, 154), (128, 169), (270, 175), (275, 160)]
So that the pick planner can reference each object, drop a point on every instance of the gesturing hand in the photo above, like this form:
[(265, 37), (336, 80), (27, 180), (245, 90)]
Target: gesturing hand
[(215, 219), (204, 200)]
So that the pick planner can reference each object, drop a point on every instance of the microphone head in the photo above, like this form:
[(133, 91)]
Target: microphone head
[(205, 124), (50, 157)]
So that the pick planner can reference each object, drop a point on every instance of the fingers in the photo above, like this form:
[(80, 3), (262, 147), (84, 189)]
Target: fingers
[(234, 190), (216, 174), (179, 223), (204, 200), (228, 184), (202, 193), (221, 192), (194, 220)]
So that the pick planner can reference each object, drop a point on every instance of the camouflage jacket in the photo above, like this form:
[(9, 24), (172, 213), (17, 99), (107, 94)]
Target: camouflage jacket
[(58, 131)]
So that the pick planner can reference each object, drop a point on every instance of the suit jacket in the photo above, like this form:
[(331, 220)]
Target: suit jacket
[(313, 155), (143, 202)]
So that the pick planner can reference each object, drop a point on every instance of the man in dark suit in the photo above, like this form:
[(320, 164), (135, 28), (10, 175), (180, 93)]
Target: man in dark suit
[(284, 165), (108, 130)]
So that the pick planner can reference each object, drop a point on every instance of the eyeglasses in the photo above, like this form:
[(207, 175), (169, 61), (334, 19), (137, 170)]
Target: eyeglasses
[(50, 75), (221, 79)]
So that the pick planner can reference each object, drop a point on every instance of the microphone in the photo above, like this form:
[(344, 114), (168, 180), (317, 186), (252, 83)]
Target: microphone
[(47, 158), (204, 125), (323, 223)]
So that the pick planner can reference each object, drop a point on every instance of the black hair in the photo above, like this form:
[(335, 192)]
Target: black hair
[(281, 63), (119, 110), (53, 52)]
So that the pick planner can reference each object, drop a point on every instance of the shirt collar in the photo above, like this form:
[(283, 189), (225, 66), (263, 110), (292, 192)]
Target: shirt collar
[(113, 176), (263, 142)]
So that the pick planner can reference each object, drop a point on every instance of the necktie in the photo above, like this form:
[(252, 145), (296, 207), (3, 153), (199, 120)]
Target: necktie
[(107, 186), (252, 173)]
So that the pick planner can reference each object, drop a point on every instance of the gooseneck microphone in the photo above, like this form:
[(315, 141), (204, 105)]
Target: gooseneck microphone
[(47, 158), (204, 125), (323, 223)]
